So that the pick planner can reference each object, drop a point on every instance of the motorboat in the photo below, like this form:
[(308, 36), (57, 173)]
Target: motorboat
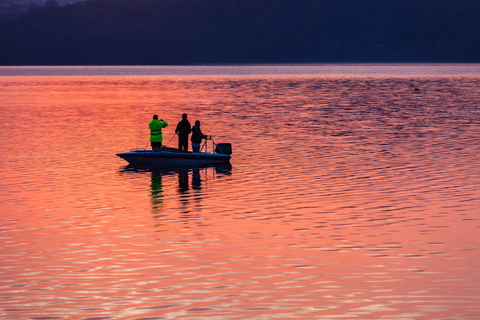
[(171, 157)]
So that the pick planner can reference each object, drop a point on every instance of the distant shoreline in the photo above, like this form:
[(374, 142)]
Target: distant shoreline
[(361, 69), (239, 32)]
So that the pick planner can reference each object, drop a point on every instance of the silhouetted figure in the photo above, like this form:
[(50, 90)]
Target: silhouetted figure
[(156, 137), (183, 130), (197, 137)]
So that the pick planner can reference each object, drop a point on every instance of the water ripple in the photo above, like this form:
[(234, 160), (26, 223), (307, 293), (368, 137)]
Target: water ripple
[(348, 196)]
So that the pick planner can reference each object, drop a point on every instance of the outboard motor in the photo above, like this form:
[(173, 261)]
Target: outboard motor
[(225, 148)]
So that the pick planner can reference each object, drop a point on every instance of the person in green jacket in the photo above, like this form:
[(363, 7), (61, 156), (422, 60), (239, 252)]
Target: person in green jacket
[(156, 137)]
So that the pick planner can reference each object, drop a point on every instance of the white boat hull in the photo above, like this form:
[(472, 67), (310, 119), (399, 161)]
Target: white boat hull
[(167, 159)]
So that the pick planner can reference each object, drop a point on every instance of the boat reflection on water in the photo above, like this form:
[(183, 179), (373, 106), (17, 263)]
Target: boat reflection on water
[(185, 197), (184, 179)]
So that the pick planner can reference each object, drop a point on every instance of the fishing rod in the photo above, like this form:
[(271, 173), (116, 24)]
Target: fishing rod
[(165, 144), (170, 139)]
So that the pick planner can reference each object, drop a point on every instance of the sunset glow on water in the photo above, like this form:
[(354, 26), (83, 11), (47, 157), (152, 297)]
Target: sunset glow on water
[(349, 196)]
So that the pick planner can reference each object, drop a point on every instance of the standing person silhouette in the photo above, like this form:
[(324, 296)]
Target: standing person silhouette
[(197, 137), (183, 130), (156, 137)]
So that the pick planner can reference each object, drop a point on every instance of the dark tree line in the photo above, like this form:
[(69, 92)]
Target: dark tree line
[(158, 32)]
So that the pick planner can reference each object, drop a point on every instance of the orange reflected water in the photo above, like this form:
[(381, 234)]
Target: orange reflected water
[(348, 197)]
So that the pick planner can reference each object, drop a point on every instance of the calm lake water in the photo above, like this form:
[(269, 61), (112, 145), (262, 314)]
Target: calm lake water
[(350, 195)]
